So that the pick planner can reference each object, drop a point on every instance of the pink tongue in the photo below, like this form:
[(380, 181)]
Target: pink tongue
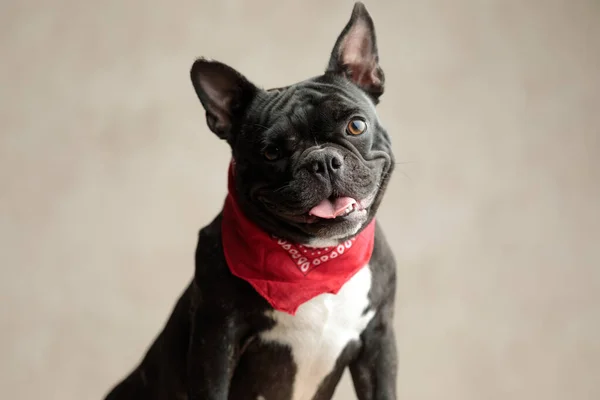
[(331, 209)]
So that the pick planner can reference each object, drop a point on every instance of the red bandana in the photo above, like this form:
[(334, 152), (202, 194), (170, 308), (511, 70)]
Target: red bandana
[(288, 274)]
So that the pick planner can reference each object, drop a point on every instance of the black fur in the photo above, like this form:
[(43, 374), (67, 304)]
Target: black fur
[(292, 150)]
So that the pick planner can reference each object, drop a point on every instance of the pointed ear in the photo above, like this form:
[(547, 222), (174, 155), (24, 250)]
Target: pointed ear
[(223, 92), (355, 53)]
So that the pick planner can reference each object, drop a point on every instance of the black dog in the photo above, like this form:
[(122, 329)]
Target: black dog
[(294, 281)]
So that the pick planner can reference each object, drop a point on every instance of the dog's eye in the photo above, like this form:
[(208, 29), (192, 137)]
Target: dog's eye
[(356, 127), (272, 153)]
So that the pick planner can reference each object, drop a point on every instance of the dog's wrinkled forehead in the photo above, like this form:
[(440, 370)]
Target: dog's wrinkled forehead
[(318, 91), (312, 104)]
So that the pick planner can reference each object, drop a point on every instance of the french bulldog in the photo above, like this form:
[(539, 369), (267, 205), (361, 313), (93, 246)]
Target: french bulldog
[(294, 280)]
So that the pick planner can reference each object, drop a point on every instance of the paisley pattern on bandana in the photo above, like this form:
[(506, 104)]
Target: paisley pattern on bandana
[(308, 258)]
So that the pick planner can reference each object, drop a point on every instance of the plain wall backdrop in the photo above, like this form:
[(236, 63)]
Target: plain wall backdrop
[(108, 171)]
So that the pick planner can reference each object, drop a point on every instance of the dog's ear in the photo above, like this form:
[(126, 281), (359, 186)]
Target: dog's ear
[(355, 53), (223, 92)]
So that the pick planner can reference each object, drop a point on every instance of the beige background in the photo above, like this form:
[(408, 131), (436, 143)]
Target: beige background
[(108, 171)]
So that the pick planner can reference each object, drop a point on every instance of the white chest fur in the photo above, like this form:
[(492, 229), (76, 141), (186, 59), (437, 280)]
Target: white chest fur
[(321, 329)]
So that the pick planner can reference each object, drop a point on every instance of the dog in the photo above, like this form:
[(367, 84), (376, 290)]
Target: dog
[(294, 280)]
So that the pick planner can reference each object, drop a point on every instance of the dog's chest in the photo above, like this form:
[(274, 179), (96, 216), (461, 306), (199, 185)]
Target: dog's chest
[(320, 330)]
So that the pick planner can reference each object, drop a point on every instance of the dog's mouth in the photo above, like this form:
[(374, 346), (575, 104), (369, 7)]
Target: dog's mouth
[(331, 218), (334, 207), (332, 210)]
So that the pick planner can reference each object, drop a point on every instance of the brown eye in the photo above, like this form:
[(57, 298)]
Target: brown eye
[(272, 153), (356, 127)]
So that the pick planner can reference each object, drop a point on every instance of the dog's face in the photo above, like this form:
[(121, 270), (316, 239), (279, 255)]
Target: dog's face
[(311, 160)]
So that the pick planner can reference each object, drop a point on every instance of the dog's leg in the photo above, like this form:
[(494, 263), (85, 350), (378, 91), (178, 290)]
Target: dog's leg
[(211, 356), (374, 371)]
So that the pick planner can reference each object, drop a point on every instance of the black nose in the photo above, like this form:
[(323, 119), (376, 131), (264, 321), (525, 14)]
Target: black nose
[(326, 161)]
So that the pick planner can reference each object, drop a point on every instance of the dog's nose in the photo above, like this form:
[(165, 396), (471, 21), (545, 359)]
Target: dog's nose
[(326, 161)]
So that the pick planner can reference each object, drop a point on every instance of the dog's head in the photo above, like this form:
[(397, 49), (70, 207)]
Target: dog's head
[(312, 160)]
